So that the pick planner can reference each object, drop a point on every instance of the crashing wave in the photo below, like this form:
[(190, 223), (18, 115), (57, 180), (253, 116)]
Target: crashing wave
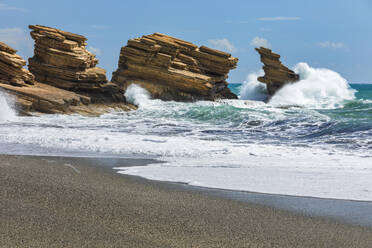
[(6, 112), (252, 89), (318, 88), (136, 95)]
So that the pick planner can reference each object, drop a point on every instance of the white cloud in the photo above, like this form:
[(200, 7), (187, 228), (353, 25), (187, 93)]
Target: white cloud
[(94, 50), (260, 42), (4, 6), (279, 18), (222, 44), (333, 45)]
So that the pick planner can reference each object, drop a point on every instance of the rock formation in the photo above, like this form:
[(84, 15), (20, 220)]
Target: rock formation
[(32, 97), (174, 69), (11, 68), (61, 60), (276, 74)]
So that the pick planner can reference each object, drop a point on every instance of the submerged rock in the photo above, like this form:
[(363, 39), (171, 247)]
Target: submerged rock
[(32, 97), (62, 60), (276, 74), (174, 69)]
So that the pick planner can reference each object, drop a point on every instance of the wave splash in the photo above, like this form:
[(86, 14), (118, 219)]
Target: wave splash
[(253, 146), (318, 88), (137, 95), (6, 112), (252, 89)]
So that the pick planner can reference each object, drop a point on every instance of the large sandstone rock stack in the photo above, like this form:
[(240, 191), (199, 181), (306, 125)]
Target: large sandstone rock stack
[(276, 74), (11, 67), (174, 69), (32, 97), (62, 60)]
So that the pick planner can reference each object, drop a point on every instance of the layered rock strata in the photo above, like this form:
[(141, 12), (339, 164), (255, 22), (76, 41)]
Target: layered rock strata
[(276, 74), (62, 60), (32, 97), (174, 69), (11, 68)]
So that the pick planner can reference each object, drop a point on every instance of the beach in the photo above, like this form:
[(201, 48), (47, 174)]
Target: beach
[(79, 202), (185, 133)]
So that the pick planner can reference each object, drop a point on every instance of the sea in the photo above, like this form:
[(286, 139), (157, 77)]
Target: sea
[(312, 138)]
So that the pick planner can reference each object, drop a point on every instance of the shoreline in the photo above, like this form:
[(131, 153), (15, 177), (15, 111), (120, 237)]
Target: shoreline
[(347, 211), (354, 212), (64, 200), (334, 209)]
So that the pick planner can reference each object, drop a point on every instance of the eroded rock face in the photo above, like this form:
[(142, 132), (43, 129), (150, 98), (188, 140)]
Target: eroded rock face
[(11, 68), (276, 74), (174, 69), (62, 60), (32, 97)]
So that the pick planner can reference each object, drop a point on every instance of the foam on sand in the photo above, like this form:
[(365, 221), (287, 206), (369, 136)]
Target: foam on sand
[(231, 144)]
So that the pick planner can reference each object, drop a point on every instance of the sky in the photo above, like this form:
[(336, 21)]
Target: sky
[(334, 34)]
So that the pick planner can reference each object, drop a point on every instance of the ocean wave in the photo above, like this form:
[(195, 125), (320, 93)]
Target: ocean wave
[(252, 89), (232, 144), (317, 89), (136, 95), (6, 112)]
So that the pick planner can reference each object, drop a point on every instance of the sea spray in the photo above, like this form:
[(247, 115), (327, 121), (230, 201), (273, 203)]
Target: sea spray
[(6, 112), (252, 89), (231, 144), (317, 88), (137, 95)]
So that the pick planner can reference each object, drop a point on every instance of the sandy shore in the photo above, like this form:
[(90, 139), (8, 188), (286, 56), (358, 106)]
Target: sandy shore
[(71, 202)]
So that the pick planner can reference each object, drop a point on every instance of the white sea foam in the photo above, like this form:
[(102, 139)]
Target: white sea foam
[(252, 89), (6, 112), (200, 159), (136, 95), (270, 169), (317, 88), (191, 139)]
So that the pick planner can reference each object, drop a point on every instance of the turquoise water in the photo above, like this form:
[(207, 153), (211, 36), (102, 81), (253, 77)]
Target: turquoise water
[(349, 126), (313, 141)]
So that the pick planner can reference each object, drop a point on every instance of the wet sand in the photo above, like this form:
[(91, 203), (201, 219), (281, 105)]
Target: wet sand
[(345, 211), (76, 202)]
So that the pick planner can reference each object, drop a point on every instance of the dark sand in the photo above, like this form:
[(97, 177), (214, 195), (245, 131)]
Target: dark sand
[(70, 202)]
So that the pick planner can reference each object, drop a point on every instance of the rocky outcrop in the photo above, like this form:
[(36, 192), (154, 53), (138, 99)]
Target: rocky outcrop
[(11, 68), (62, 60), (276, 74), (32, 97), (174, 69)]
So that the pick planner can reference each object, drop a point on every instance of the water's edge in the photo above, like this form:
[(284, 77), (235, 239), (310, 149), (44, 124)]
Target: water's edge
[(231, 144), (344, 211)]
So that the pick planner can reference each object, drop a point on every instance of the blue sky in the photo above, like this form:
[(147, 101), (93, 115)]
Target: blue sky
[(334, 34)]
